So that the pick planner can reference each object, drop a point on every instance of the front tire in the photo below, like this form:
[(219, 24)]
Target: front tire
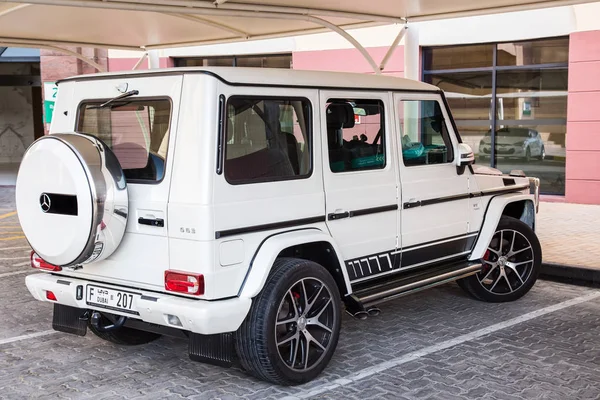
[(511, 264), (542, 156), (293, 326)]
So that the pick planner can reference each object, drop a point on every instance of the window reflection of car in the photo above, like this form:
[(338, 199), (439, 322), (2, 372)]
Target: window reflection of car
[(514, 142)]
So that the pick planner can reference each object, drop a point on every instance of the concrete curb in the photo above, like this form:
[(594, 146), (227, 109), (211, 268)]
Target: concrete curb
[(571, 274)]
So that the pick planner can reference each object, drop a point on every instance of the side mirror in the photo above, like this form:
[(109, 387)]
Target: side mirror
[(465, 155)]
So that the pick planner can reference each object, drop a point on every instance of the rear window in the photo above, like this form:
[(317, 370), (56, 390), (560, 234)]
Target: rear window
[(137, 131), (268, 139)]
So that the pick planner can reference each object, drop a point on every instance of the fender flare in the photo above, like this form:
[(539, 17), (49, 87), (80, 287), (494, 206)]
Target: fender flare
[(492, 218), (269, 249)]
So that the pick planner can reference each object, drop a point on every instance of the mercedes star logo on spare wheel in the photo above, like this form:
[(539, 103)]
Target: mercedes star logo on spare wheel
[(45, 202)]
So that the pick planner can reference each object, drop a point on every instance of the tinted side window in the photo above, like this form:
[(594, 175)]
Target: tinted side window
[(425, 139), (137, 131), (355, 134), (267, 139)]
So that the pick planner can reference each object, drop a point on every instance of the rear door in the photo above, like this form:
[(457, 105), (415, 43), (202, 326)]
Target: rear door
[(360, 181), (140, 131)]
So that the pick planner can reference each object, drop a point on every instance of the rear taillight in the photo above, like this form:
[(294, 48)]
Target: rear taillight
[(184, 282), (50, 295), (37, 262)]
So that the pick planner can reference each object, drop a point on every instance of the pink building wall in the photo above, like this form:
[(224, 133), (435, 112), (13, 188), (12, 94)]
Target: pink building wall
[(583, 119), (348, 60)]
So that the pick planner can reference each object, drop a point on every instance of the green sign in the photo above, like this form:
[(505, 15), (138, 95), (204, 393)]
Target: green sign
[(50, 91)]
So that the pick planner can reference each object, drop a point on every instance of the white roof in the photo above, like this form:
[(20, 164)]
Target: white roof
[(282, 77), (147, 24)]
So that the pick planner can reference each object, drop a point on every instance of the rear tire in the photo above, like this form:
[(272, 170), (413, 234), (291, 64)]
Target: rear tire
[(293, 326), (124, 336), (511, 264)]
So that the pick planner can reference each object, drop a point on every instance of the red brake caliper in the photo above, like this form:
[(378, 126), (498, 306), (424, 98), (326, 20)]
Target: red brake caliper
[(486, 257)]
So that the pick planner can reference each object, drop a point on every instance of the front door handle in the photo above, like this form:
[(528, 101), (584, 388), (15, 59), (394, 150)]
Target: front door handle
[(412, 203), (152, 221), (338, 215)]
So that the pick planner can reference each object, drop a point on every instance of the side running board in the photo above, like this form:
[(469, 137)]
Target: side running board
[(381, 291)]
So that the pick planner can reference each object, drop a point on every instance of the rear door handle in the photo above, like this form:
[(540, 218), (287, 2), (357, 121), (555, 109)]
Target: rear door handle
[(339, 215), (151, 221)]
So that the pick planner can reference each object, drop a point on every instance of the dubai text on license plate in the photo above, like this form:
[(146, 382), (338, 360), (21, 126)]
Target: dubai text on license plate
[(112, 299)]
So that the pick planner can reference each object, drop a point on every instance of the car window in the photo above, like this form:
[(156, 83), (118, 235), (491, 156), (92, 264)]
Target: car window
[(355, 134), (424, 134), (267, 139), (137, 131)]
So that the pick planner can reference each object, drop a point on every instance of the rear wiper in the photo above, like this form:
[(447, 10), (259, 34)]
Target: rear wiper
[(122, 96)]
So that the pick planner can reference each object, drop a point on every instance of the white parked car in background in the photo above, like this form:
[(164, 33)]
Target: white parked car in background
[(522, 143), (244, 209)]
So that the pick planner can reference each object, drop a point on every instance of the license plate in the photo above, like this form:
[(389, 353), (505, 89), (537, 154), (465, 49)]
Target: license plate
[(112, 299)]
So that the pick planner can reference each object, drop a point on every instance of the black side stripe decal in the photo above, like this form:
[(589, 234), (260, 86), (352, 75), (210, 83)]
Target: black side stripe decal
[(269, 227), (439, 240), (462, 197), (375, 264), (433, 252), (363, 211), (374, 210)]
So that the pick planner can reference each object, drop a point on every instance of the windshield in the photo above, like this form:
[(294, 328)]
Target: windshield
[(137, 131)]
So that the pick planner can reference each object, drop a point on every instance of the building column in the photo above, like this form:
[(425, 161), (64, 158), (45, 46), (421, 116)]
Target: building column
[(153, 59), (412, 64)]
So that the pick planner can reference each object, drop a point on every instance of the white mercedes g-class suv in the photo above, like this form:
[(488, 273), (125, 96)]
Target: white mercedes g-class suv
[(245, 209)]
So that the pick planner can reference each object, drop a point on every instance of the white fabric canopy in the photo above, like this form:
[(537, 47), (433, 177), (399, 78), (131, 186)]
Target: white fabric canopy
[(152, 24)]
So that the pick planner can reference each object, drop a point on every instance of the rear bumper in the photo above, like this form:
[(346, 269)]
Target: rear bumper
[(198, 316)]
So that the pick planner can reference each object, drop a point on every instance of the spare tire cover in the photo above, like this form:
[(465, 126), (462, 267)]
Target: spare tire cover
[(71, 199)]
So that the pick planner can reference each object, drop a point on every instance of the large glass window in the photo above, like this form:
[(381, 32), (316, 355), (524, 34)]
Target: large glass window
[(267, 139), (137, 131), (355, 134), (258, 60), (548, 51), (521, 96), (456, 57)]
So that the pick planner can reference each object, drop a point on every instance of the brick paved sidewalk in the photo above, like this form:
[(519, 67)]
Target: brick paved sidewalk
[(570, 234)]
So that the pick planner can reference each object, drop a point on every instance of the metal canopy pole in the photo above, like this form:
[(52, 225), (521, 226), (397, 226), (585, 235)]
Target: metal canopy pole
[(40, 43), (349, 38), (140, 61), (189, 8), (392, 48), (200, 20), (81, 57), (13, 9)]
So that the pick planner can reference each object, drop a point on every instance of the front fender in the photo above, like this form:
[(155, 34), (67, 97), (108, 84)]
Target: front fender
[(492, 218), (265, 256)]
